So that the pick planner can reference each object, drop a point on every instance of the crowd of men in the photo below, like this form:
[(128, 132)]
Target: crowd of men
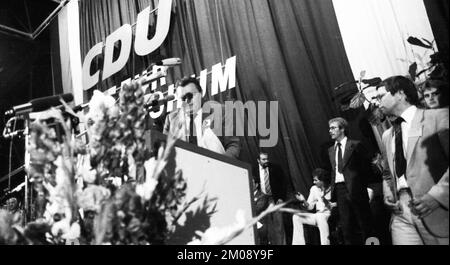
[(342, 202)]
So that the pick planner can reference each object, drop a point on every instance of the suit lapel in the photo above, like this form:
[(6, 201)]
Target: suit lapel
[(206, 121), (349, 147), (178, 128), (274, 180), (271, 175), (389, 154), (415, 132), (332, 153)]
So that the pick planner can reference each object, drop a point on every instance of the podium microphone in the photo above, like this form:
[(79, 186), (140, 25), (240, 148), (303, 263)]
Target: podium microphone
[(39, 104), (158, 102), (80, 107), (168, 62)]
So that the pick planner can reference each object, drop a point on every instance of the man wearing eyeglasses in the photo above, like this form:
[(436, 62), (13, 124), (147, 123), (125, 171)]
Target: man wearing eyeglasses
[(194, 124), (349, 181), (416, 149)]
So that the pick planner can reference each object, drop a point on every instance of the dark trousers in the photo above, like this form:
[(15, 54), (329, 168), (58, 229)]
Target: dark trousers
[(288, 227), (277, 226), (355, 217), (272, 232)]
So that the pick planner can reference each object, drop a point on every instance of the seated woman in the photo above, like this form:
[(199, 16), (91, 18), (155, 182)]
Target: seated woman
[(319, 196)]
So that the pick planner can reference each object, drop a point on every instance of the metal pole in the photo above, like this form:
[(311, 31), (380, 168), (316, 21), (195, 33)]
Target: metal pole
[(47, 21), (13, 173), (27, 165), (9, 30)]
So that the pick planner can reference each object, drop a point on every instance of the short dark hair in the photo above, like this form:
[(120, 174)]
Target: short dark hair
[(342, 123), (190, 80), (431, 83), (441, 86), (262, 152), (398, 83), (322, 175)]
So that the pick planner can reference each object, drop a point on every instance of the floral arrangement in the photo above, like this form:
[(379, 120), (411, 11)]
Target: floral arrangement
[(115, 190)]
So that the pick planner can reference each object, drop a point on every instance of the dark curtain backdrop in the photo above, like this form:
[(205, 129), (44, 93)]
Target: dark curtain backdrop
[(28, 70), (289, 51), (438, 14)]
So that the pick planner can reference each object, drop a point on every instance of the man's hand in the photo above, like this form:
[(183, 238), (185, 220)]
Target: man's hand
[(370, 193), (425, 205), (393, 206), (300, 197), (332, 205)]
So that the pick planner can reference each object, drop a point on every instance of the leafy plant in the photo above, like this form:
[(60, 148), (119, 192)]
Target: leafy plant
[(357, 98), (435, 69), (139, 211)]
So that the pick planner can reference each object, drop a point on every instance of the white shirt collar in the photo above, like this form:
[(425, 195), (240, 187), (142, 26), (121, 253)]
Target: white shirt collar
[(198, 114), (408, 114), (343, 141), (262, 169)]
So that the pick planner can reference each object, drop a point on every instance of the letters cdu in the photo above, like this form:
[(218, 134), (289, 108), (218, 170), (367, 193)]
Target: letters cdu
[(142, 45)]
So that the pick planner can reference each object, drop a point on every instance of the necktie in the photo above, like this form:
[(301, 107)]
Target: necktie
[(339, 160), (192, 137), (267, 181), (400, 161)]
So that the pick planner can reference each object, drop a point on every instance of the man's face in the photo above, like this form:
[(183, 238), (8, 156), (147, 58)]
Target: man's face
[(12, 204), (191, 98), (387, 102), (432, 97), (263, 160), (335, 131)]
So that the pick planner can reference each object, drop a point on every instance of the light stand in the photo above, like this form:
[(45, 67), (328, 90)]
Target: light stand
[(9, 134)]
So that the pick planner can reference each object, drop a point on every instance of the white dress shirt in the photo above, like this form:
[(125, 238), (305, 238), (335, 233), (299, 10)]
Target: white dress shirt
[(315, 198), (408, 116), (205, 139), (197, 124), (262, 180), (339, 177)]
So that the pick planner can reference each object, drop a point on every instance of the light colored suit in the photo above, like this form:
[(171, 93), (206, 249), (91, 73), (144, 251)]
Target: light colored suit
[(427, 168)]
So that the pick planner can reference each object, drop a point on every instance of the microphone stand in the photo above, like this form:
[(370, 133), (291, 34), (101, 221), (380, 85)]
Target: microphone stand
[(8, 134), (27, 159)]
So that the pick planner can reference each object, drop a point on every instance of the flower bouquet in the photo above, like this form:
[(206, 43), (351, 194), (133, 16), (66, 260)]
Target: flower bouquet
[(114, 190)]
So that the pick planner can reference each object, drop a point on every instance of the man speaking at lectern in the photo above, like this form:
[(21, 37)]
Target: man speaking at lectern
[(191, 124)]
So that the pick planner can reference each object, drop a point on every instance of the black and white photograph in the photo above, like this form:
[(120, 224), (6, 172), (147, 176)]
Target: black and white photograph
[(255, 125)]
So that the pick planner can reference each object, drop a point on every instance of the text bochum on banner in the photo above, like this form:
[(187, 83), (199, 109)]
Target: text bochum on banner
[(143, 46), (223, 77)]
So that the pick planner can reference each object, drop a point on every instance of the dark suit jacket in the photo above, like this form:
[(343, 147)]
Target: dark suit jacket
[(356, 170), (280, 185), (231, 144)]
